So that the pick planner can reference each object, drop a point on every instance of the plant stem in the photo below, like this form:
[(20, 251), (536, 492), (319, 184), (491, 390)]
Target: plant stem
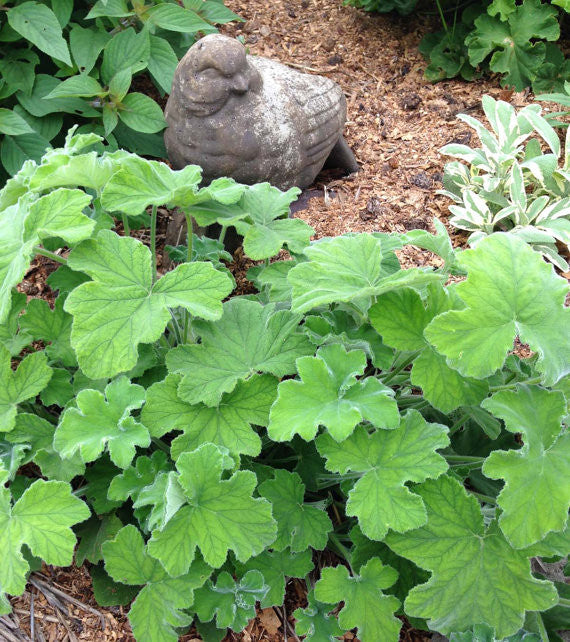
[(457, 425), (340, 547), (160, 444), (50, 255), (222, 234), (510, 386), (126, 226), (541, 628), (464, 458), (563, 601), (484, 498), (401, 367), (153, 240), (81, 491), (189, 235)]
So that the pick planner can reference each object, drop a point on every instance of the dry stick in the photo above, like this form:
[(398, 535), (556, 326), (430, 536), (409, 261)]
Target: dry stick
[(32, 619), (39, 616), (39, 584)]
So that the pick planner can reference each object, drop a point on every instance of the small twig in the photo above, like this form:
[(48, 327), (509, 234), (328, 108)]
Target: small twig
[(313, 69), (32, 619), (85, 607)]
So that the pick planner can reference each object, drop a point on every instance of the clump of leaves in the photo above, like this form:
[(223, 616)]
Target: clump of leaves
[(64, 62), (514, 39), (201, 446), (510, 183)]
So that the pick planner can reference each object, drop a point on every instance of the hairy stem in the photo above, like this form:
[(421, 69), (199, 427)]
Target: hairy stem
[(189, 236), (484, 498), (510, 386), (153, 240), (50, 255), (126, 226)]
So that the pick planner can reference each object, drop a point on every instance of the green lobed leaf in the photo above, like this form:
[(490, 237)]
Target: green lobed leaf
[(465, 588), (93, 534), (41, 519), (103, 421), (221, 515), (536, 496), (388, 459), (276, 566), (12, 336), (329, 394), (347, 268), (315, 621), (249, 338), (27, 381), (159, 607), (509, 291), (229, 424), (299, 526), (122, 308), (365, 605), (401, 318), (231, 603)]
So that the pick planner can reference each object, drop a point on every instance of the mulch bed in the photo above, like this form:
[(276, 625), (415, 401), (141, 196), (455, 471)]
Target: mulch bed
[(397, 122)]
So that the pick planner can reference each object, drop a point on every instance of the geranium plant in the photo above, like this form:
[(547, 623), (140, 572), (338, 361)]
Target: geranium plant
[(200, 446)]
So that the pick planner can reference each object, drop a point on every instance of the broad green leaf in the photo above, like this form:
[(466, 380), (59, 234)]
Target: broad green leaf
[(347, 268), (27, 381), (134, 478), (81, 86), (162, 62), (140, 183), (330, 395), (299, 526), (126, 50), (536, 496), (107, 592), (101, 421), (465, 588), (86, 45), (60, 214), (509, 291), (276, 567), (173, 17), (13, 124), (37, 434), (12, 336), (231, 603), (159, 608), (38, 105), (221, 515), (228, 424), (249, 338), (109, 8), (41, 519), (512, 41), (315, 621), (159, 501), (38, 24), (267, 228), (365, 606), (401, 318), (53, 327), (93, 534), (141, 113), (122, 308), (216, 13), (59, 390), (16, 150), (388, 459)]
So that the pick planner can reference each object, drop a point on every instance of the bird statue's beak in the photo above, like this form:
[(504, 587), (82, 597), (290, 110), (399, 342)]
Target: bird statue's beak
[(240, 84)]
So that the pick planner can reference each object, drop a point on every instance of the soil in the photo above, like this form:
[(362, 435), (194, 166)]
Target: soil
[(397, 122)]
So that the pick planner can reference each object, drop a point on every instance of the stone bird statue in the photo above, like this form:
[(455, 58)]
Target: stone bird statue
[(252, 118)]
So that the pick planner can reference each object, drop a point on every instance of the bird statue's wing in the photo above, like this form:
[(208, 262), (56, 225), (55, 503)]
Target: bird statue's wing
[(324, 106)]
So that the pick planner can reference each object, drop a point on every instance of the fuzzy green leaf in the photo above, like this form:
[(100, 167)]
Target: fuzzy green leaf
[(101, 421), (122, 308), (330, 395), (249, 338), (30, 378), (53, 327), (231, 603), (388, 459), (299, 525), (348, 268), (159, 607), (401, 318), (275, 566), (509, 291), (315, 621), (228, 424), (37, 434), (221, 515), (536, 496), (41, 519), (365, 606), (465, 588)]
